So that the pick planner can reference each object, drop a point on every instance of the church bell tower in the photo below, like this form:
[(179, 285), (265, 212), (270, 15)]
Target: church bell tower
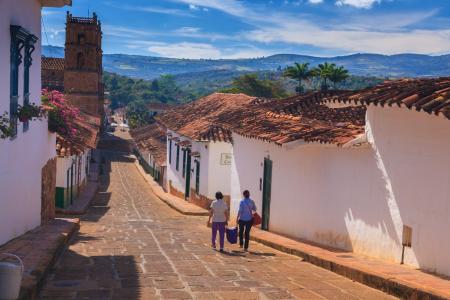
[(83, 70)]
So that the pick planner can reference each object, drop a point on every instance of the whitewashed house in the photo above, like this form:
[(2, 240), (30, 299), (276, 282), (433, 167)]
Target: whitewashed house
[(150, 149), (370, 182), (74, 160), (27, 164), (198, 151)]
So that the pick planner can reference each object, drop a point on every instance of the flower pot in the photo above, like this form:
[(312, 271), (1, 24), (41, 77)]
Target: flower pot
[(23, 119), (10, 278)]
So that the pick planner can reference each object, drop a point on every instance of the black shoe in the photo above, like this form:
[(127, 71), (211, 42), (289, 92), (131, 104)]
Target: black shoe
[(246, 250), (221, 251)]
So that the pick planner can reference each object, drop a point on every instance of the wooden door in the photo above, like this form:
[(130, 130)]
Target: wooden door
[(267, 191), (188, 173)]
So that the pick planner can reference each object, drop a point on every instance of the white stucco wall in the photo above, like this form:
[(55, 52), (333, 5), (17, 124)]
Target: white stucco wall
[(22, 159), (222, 173), (413, 153), (213, 176), (64, 163), (359, 198)]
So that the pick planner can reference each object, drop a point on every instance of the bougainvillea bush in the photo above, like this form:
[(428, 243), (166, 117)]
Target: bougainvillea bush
[(61, 115), (5, 126)]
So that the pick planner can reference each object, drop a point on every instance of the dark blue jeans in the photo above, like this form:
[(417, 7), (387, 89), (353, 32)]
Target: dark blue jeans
[(244, 232)]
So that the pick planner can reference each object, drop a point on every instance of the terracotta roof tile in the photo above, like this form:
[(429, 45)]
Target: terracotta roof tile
[(198, 120), (51, 63), (428, 95), (88, 127), (296, 118), (151, 138)]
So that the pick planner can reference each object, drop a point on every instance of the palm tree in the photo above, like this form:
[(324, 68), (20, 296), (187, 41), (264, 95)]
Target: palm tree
[(299, 72), (338, 75), (324, 71)]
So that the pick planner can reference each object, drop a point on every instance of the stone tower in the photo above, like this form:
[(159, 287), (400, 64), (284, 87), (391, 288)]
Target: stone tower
[(83, 70)]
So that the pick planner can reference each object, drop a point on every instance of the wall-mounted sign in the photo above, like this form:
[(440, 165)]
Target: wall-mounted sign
[(225, 159)]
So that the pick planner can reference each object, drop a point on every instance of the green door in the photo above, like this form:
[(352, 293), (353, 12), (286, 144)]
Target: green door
[(188, 174), (197, 177), (267, 191), (71, 184)]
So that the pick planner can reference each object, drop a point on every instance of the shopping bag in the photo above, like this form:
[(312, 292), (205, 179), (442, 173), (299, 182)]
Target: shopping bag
[(232, 235), (256, 219)]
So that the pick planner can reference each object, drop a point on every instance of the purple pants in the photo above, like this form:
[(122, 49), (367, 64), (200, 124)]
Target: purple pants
[(221, 227)]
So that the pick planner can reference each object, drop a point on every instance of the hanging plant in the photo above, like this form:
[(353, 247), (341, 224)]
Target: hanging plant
[(6, 130), (61, 115), (27, 112)]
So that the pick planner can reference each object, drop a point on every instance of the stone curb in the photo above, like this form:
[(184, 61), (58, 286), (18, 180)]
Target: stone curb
[(380, 282), (61, 230), (183, 208)]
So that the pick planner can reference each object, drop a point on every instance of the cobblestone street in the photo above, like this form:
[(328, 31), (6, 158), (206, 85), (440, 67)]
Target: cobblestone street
[(133, 246)]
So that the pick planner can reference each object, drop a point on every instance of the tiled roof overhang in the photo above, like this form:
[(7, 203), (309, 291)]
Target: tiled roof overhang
[(429, 95), (297, 118), (152, 139), (86, 138), (201, 120), (52, 63)]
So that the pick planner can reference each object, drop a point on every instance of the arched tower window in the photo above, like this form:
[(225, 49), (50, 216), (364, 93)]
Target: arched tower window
[(80, 60), (80, 38)]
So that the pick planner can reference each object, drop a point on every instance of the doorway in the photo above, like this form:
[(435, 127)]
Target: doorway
[(267, 192), (187, 191)]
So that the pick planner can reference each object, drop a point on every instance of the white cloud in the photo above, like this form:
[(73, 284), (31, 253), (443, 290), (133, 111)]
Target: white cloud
[(231, 7), (152, 9), (193, 7), (199, 50), (357, 3), (186, 50), (315, 1), (188, 30)]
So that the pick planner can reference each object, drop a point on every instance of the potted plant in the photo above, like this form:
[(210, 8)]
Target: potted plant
[(27, 112), (5, 126)]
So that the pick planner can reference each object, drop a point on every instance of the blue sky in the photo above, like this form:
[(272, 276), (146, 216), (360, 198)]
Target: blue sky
[(243, 28)]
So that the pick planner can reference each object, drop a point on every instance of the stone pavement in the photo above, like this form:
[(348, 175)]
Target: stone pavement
[(399, 280), (133, 246), (38, 249), (180, 205)]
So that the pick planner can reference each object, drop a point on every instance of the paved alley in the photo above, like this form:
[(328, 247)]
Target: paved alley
[(133, 246)]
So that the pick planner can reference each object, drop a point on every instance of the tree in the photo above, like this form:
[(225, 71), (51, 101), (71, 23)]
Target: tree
[(251, 85), (299, 72), (338, 75), (155, 85), (324, 71)]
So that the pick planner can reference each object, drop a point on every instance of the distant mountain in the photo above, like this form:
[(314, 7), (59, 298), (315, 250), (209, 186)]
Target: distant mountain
[(148, 67)]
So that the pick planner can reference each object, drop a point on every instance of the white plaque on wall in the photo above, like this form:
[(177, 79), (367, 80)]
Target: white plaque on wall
[(225, 159)]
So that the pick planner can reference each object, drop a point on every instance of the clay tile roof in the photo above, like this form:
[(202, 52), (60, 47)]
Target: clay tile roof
[(51, 63), (428, 95), (200, 120), (151, 139), (88, 127), (297, 118)]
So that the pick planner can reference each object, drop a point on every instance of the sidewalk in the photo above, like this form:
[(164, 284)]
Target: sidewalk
[(39, 248), (89, 191), (398, 280), (395, 279), (176, 203)]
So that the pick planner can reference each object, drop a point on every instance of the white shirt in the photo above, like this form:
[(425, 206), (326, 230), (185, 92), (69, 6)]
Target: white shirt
[(219, 207)]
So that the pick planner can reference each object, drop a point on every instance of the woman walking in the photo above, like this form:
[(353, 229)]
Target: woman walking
[(219, 216), (245, 219)]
